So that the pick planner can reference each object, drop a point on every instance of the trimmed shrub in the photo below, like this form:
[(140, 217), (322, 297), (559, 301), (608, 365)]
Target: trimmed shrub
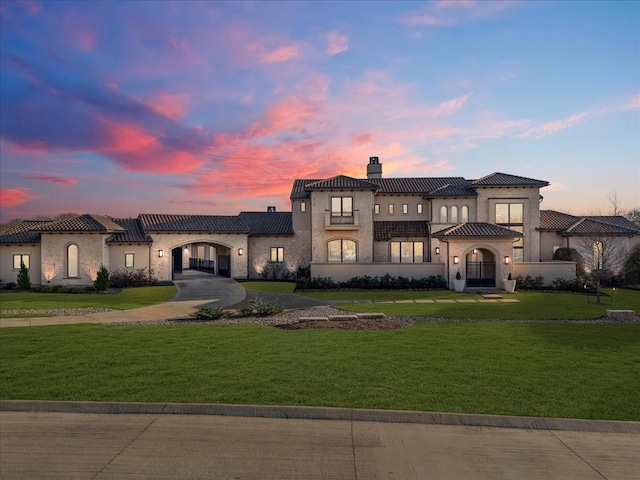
[(529, 282), (386, 282), (44, 289), (60, 289), (10, 286), (131, 278), (259, 308), (570, 255), (632, 266), (209, 313), (277, 271), (101, 282), (24, 280)]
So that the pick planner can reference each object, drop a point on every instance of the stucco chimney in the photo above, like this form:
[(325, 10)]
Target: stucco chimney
[(374, 169)]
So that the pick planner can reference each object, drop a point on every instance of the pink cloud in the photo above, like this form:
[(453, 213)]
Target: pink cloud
[(170, 105), (40, 177), (554, 126), (281, 54), (13, 197), (450, 106), (336, 43), (634, 102), (455, 12)]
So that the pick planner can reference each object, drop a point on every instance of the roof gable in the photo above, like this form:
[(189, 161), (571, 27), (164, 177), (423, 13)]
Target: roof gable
[(268, 223), (498, 179), (83, 223), (477, 229), (27, 231), (133, 232)]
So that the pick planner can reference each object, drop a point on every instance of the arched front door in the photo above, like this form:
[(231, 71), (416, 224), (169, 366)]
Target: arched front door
[(481, 268)]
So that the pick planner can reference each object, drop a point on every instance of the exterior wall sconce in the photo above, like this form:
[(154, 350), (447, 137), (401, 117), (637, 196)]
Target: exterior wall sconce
[(475, 251), (437, 250), (240, 251), (456, 259), (161, 253), (507, 260)]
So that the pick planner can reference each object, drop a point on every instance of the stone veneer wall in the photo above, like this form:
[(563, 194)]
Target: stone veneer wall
[(296, 251), (92, 253)]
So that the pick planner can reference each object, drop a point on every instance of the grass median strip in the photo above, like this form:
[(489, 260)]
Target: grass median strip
[(558, 370)]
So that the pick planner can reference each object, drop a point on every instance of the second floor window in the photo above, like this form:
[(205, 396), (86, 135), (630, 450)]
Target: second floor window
[(511, 215), (405, 208), (464, 213), (443, 214), (277, 254), (303, 206), (391, 209), (342, 206), (419, 209), (376, 209)]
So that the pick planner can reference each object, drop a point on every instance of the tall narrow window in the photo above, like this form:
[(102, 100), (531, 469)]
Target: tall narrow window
[(277, 254), (376, 209), (19, 259), (443, 214), (419, 209), (72, 260), (128, 260), (405, 208), (464, 214), (454, 214), (342, 206), (341, 251), (303, 206), (391, 209), (511, 215)]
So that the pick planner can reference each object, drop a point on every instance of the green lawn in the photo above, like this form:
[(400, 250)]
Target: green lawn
[(531, 305), (559, 370), (126, 299)]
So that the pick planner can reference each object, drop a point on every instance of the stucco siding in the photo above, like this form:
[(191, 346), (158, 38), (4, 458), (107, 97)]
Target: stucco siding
[(92, 254), (9, 274), (548, 270), (117, 257), (342, 272)]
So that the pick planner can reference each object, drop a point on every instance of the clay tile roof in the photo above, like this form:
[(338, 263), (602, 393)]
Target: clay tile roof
[(449, 190), (498, 179), (589, 226), (268, 223), (83, 223), (133, 232), (556, 221), (476, 229), (27, 231), (617, 220), (192, 223), (387, 230), (341, 181)]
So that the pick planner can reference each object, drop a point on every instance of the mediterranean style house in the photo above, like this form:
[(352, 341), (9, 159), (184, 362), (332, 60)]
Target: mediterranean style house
[(342, 227)]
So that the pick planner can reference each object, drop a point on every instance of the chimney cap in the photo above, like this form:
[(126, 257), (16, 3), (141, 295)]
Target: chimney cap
[(374, 160), (271, 209)]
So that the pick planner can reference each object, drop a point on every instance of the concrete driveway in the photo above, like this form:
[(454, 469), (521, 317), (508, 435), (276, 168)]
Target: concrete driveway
[(194, 286)]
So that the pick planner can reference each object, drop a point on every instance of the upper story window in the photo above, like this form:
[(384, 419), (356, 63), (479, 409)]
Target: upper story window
[(391, 209), (376, 209), (443, 214), (405, 208), (128, 260), (277, 254), (342, 206), (341, 250), (454, 214), (19, 259), (464, 213), (72, 260), (303, 206), (420, 206), (511, 215)]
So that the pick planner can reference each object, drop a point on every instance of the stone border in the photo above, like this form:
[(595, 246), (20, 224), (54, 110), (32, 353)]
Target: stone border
[(325, 413)]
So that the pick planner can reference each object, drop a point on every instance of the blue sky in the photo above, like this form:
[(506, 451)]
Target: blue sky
[(122, 108)]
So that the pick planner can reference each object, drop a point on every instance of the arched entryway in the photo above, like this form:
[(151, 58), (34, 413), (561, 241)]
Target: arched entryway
[(204, 257), (481, 268)]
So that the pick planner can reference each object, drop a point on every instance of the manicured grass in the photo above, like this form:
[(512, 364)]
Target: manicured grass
[(531, 305), (126, 299), (541, 369), (270, 286)]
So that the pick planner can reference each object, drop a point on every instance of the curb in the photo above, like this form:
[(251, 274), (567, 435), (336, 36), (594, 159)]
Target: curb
[(325, 413)]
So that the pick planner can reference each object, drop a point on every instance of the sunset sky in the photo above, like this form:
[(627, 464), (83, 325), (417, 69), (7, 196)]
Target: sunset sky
[(122, 108)]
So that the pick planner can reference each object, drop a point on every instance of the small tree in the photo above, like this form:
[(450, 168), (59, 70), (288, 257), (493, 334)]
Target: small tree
[(24, 281), (604, 257), (571, 255), (102, 279)]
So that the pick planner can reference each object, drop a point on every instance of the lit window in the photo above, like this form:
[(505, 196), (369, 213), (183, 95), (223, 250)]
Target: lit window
[(419, 209), (407, 252), (128, 260), (376, 209), (391, 209), (303, 206), (19, 259), (342, 206), (72, 260), (277, 254), (405, 208), (454, 214), (464, 214), (341, 251), (511, 215), (443, 214)]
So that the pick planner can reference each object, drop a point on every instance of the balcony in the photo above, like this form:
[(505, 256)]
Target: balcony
[(344, 222)]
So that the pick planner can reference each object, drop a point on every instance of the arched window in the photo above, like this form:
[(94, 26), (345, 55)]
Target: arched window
[(341, 251), (72, 260), (454, 214), (443, 214), (464, 213)]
